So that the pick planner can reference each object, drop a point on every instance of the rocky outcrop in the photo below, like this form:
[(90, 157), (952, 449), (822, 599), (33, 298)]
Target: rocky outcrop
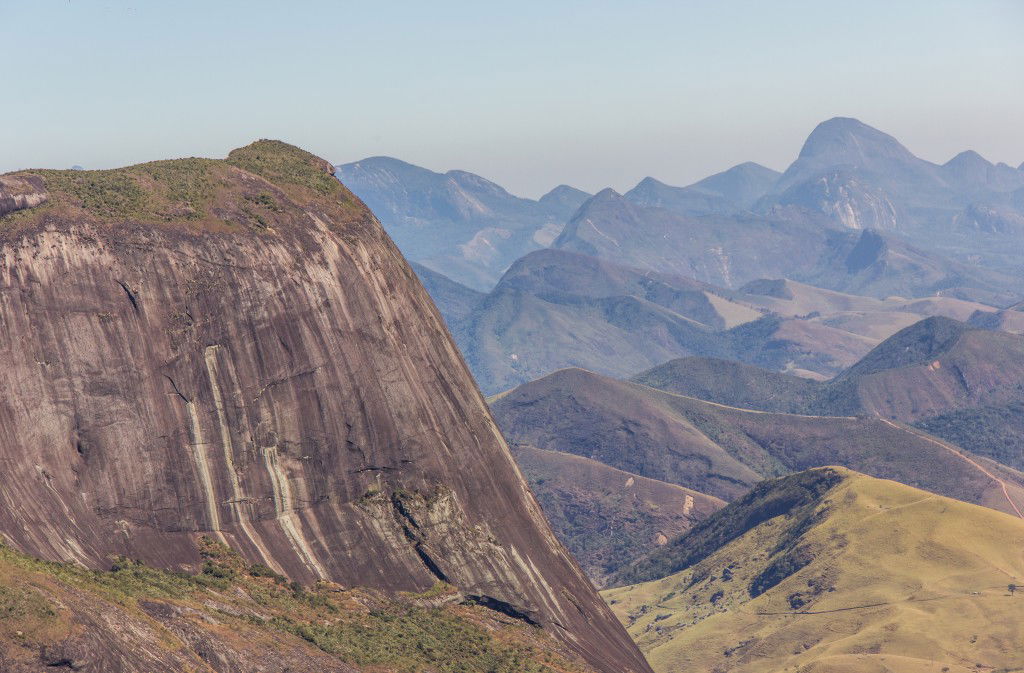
[(19, 193), (236, 348)]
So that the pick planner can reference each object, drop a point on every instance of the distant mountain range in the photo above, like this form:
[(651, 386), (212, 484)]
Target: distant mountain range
[(458, 223), (554, 309), (802, 271), (731, 191), (730, 250), (952, 229)]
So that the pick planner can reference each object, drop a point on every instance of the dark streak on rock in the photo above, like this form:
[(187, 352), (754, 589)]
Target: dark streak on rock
[(131, 296)]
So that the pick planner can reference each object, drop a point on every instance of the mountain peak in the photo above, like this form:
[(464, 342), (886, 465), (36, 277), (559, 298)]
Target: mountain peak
[(844, 140), (968, 158), (563, 190), (649, 182), (846, 144), (382, 161), (280, 162), (921, 342), (479, 185), (742, 184), (609, 194)]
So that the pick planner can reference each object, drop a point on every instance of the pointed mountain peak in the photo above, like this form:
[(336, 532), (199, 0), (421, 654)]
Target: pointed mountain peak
[(608, 194), (742, 184), (562, 190), (649, 190), (381, 163), (563, 201), (751, 166), (650, 182), (564, 194), (648, 186), (968, 158)]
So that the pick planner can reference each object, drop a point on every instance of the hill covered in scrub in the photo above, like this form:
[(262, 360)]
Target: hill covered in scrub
[(608, 517), (236, 616), (723, 450), (235, 349), (959, 382), (830, 570)]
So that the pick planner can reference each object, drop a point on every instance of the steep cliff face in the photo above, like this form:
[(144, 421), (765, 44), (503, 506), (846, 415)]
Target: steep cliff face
[(236, 348)]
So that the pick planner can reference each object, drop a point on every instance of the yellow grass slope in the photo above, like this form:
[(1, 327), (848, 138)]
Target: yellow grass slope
[(898, 580)]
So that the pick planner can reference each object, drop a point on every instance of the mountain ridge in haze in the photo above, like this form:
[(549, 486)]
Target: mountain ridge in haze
[(457, 223)]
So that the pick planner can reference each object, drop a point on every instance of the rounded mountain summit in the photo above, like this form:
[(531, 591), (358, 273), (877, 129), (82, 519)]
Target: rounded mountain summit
[(235, 348)]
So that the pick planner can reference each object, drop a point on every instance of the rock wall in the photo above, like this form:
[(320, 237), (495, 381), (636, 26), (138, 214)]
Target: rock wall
[(288, 388)]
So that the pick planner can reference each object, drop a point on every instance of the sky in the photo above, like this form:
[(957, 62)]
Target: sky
[(529, 94)]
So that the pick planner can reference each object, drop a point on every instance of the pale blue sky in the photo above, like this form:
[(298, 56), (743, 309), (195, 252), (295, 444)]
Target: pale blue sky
[(527, 93)]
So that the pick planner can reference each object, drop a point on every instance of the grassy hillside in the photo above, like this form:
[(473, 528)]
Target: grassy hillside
[(238, 617), (608, 517), (845, 573)]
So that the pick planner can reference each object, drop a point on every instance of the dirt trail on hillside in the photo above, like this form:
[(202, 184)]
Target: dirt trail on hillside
[(951, 449), (743, 409)]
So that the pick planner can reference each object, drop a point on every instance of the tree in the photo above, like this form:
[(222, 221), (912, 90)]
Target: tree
[(1011, 588)]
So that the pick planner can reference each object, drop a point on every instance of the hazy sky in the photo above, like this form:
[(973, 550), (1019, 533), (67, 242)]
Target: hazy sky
[(529, 94)]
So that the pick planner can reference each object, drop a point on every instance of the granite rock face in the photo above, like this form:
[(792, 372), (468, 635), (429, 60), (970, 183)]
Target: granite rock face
[(236, 348)]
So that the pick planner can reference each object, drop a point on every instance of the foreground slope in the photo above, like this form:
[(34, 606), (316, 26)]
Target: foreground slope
[(831, 570), (236, 348), (236, 617)]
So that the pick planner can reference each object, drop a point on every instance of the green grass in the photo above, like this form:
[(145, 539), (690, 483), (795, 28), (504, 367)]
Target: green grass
[(195, 190), (161, 190), (398, 633), (283, 163), (417, 639), (868, 576), (106, 193)]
